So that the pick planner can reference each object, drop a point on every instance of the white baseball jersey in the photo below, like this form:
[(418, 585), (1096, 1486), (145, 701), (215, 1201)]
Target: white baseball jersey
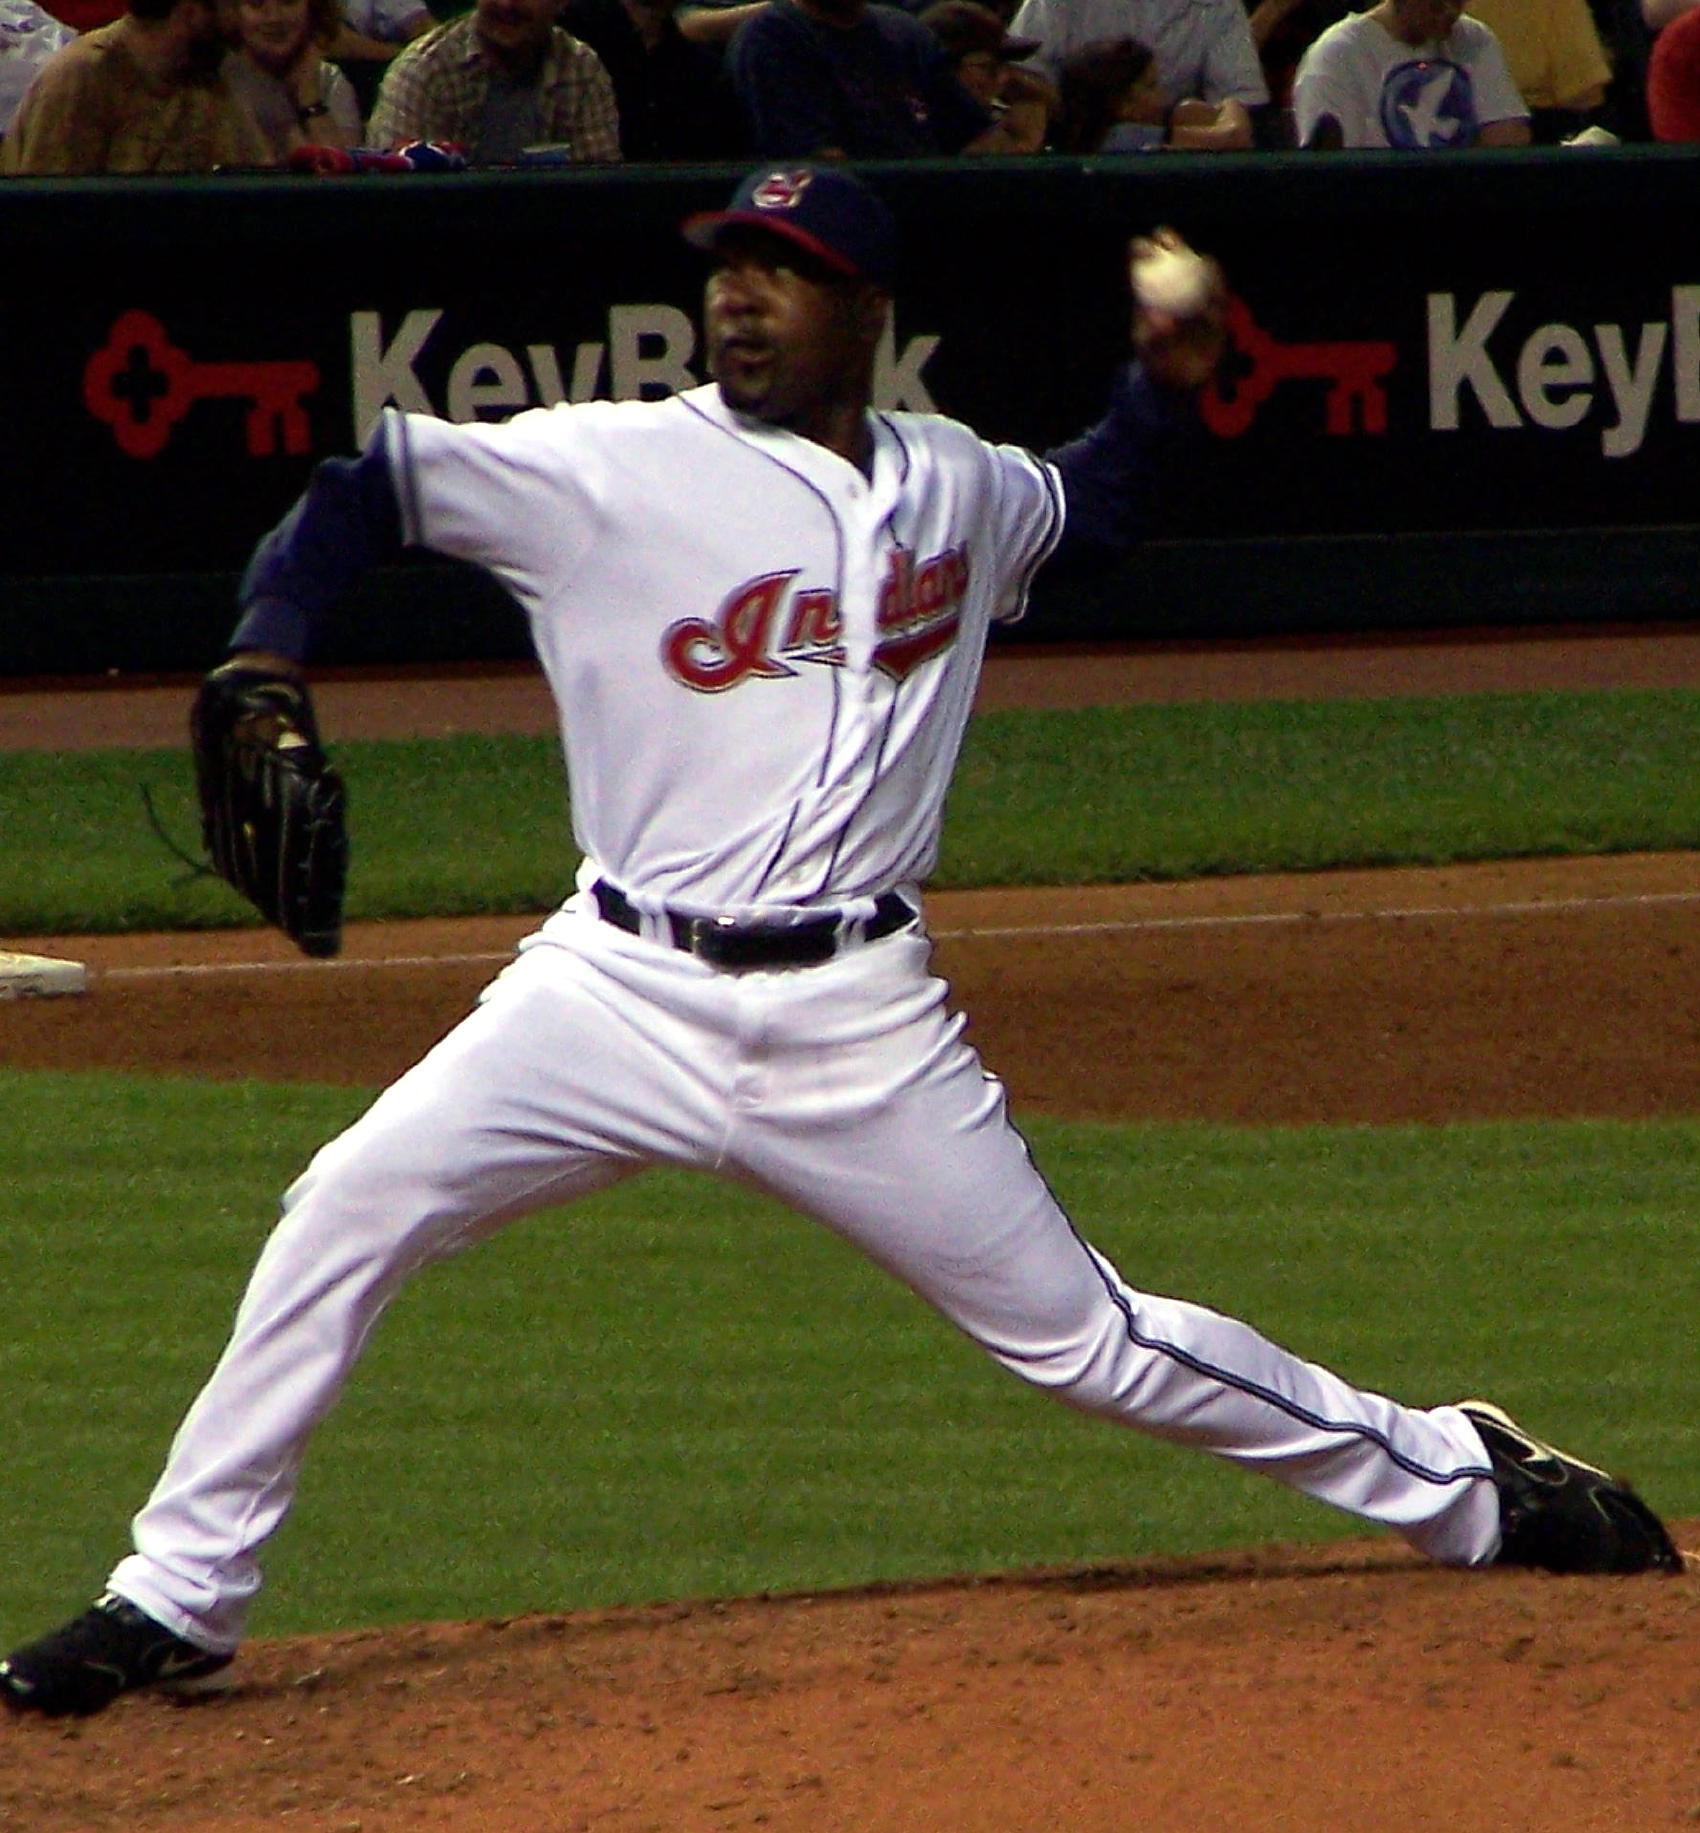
[(764, 661), (779, 654), (1386, 93)]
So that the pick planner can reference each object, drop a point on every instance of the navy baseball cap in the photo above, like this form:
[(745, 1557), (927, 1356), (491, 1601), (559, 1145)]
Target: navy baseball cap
[(824, 209)]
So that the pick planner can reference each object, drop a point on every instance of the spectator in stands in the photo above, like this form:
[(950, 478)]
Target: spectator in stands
[(379, 28), (1283, 30), (1555, 57), (144, 94), (981, 51), (277, 69), (673, 97), (372, 35), (1673, 80), (831, 79), (1109, 91), (1204, 52), (497, 80), (28, 38), (1109, 100), (86, 15), (1628, 29), (1408, 74)]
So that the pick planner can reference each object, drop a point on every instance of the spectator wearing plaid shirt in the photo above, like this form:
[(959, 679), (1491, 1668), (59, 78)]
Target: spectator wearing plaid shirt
[(497, 80)]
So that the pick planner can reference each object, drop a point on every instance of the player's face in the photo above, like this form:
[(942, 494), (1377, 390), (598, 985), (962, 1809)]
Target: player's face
[(790, 342)]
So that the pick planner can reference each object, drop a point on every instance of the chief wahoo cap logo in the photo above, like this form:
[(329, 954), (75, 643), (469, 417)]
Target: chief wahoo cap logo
[(781, 190)]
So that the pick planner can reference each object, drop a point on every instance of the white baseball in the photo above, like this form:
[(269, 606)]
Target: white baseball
[(1172, 280)]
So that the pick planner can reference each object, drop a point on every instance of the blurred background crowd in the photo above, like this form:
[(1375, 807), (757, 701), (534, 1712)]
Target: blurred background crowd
[(97, 87)]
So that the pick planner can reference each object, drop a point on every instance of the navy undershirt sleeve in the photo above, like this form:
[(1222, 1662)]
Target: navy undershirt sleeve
[(1109, 473), (347, 519)]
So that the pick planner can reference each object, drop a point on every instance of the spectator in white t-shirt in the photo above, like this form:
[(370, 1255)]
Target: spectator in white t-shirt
[(1410, 75), (28, 38)]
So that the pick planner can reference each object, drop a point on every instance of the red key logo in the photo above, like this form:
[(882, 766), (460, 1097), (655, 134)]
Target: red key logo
[(1356, 374), (141, 385)]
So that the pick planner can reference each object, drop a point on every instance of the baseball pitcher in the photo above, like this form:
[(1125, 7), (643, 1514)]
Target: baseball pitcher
[(761, 608)]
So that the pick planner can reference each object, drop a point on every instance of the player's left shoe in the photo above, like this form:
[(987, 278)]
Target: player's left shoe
[(112, 1648), (1562, 1515)]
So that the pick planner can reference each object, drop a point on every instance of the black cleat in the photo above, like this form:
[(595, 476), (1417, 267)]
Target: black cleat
[(112, 1648), (1562, 1515)]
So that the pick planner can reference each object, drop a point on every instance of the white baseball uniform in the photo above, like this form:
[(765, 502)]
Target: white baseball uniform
[(764, 662)]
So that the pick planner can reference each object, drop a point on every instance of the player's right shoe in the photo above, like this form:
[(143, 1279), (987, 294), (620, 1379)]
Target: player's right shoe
[(112, 1648), (1562, 1515)]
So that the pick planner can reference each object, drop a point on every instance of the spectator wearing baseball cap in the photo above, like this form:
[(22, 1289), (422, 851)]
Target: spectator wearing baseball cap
[(977, 42)]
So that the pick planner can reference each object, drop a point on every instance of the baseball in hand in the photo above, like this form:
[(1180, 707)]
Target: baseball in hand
[(1172, 280)]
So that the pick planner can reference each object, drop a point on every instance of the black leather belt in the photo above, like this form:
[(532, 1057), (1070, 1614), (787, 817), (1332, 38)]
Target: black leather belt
[(748, 947)]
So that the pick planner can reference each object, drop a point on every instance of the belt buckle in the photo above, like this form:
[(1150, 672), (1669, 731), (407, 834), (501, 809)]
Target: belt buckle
[(719, 940), (698, 935), (738, 948)]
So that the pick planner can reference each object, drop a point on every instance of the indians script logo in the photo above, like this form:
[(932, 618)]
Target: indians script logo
[(141, 385), (1256, 364), (765, 627)]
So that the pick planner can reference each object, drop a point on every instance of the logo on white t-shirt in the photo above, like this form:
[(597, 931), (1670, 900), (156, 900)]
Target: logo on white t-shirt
[(1428, 102)]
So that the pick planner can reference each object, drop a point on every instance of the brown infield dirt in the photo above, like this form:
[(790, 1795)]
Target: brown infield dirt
[(1350, 1689)]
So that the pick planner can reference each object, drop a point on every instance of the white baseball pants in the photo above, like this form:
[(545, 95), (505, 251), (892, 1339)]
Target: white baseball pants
[(844, 1089)]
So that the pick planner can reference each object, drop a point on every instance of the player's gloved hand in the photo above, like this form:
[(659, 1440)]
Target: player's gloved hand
[(272, 804)]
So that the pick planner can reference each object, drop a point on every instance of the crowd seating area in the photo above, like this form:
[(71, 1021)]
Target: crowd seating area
[(116, 87)]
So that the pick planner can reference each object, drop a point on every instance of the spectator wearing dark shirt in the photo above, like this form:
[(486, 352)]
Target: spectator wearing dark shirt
[(672, 95), (826, 79)]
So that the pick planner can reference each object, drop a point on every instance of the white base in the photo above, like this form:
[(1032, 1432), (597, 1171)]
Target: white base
[(25, 976)]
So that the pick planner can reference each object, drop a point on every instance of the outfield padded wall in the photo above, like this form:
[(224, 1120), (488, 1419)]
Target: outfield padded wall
[(1463, 388)]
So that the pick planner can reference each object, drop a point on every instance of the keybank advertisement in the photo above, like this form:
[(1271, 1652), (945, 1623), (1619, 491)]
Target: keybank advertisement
[(161, 420), (1479, 366)]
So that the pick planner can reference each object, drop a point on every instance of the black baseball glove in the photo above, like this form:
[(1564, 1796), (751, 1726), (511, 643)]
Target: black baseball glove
[(272, 804)]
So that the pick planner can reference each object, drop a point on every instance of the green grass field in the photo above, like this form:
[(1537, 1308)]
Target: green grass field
[(1105, 795), (675, 1390)]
